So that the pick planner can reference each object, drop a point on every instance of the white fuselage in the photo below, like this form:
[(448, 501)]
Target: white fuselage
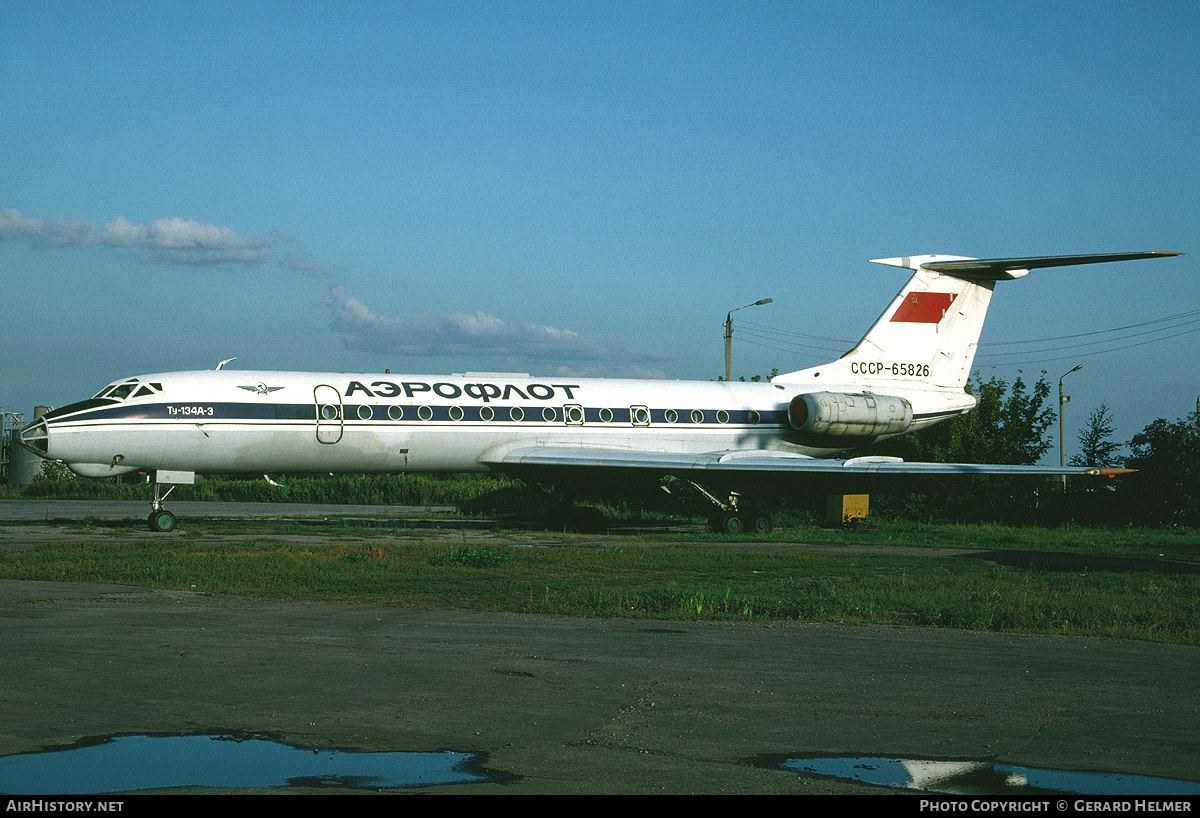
[(234, 421), (909, 371)]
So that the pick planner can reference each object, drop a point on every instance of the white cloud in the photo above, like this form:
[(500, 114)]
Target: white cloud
[(457, 333), (168, 241)]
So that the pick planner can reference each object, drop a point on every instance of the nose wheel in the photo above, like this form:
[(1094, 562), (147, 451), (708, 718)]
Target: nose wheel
[(160, 519)]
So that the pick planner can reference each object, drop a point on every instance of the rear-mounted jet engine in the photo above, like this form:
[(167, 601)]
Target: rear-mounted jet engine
[(841, 413)]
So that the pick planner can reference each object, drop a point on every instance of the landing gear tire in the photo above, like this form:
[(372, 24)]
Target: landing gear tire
[(757, 519), (161, 521), (726, 522), (729, 522), (759, 522)]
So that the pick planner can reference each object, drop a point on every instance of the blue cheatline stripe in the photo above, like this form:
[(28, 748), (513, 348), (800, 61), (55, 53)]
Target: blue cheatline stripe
[(307, 412)]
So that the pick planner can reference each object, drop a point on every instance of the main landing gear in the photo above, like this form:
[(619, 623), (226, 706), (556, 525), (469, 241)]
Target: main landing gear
[(734, 515)]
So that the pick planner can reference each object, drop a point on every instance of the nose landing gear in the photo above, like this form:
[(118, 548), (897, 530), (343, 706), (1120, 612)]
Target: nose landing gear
[(160, 519)]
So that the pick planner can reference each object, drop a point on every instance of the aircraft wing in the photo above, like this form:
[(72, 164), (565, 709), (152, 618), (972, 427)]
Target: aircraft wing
[(760, 461)]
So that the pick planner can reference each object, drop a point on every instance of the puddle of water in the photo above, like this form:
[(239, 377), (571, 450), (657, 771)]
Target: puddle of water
[(128, 763), (984, 777)]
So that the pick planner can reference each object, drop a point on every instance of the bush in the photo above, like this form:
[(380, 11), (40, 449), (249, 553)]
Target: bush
[(471, 556)]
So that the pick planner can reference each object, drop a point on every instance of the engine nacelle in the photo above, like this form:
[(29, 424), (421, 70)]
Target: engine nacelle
[(842, 413)]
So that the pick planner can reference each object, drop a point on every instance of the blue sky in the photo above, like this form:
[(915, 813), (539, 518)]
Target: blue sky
[(587, 188)]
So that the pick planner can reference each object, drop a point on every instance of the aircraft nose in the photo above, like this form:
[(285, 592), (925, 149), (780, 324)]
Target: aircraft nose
[(36, 437)]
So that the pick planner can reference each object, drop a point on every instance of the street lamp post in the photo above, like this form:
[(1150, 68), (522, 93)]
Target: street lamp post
[(1062, 400), (729, 336)]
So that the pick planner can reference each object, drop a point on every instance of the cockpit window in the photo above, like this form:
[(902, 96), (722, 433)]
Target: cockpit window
[(121, 391)]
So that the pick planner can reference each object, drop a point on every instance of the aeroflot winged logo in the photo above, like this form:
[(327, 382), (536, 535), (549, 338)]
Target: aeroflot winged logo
[(924, 308), (261, 389)]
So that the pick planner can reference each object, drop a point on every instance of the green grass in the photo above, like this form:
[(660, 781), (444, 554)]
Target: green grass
[(1170, 543), (637, 577)]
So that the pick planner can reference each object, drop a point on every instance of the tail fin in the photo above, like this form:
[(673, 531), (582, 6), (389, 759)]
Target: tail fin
[(930, 331)]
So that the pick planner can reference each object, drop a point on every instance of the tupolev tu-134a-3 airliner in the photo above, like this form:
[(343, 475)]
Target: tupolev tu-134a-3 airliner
[(732, 441)]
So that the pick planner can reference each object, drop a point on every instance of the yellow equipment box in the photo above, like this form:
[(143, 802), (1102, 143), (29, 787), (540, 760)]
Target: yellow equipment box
[(843, 509)]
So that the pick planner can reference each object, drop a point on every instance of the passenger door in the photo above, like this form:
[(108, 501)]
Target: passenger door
[(328, 402)]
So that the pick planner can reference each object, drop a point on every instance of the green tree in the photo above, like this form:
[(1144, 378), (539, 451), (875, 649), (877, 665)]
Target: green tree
[(1092, 501), (1096, 447), (53, 471), (755, 378), (1010, 425), (1166, 487)]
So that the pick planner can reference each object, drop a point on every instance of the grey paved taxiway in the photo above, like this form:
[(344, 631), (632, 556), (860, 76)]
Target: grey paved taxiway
[(583, 706)]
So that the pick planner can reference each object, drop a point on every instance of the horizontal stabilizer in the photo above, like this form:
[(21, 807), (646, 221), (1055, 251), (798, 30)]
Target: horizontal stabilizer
[(1003, 269)]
